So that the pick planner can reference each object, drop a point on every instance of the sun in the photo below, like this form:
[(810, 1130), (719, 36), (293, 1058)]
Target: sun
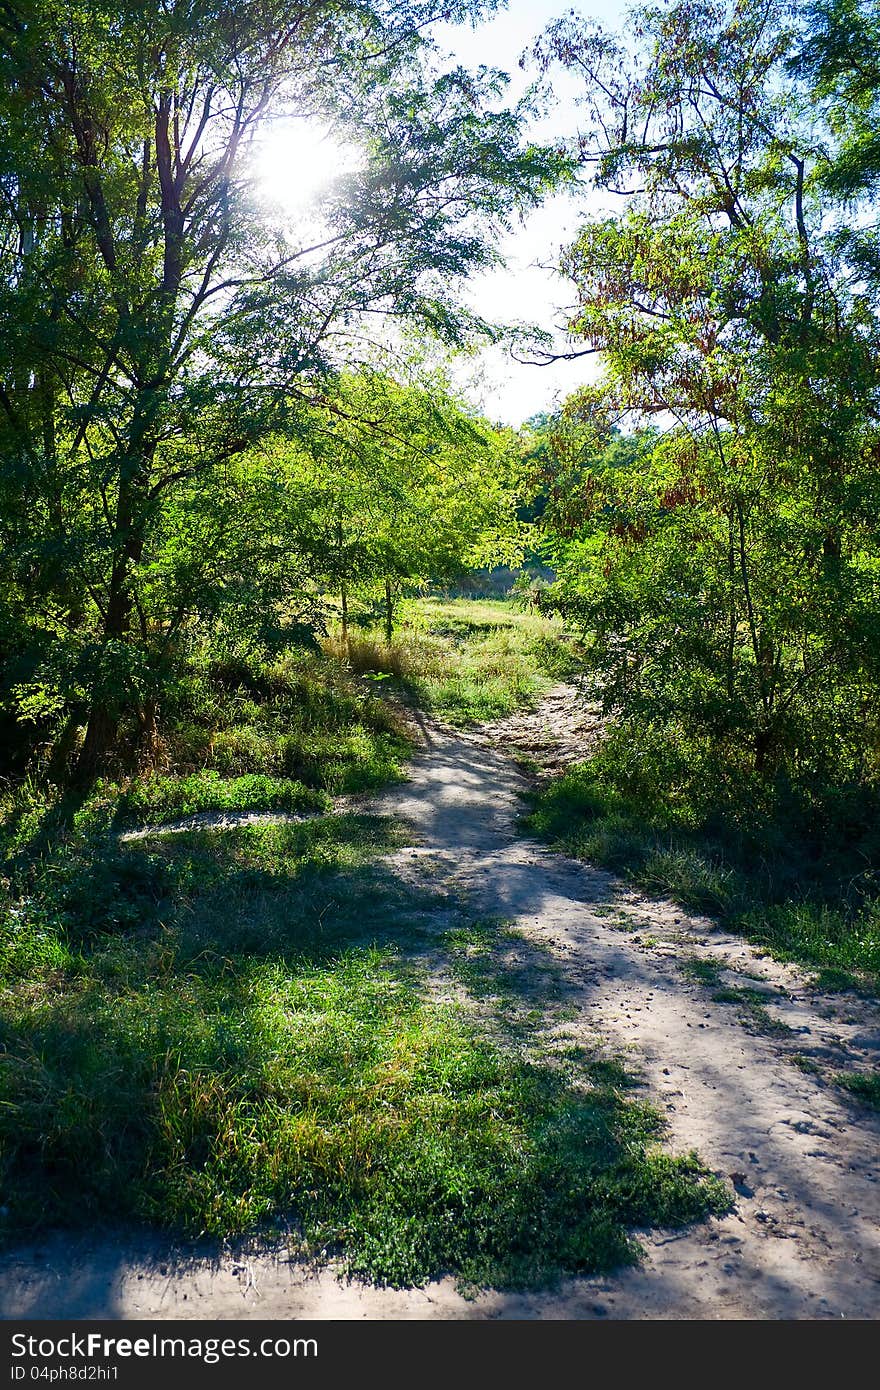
[(295, 161)]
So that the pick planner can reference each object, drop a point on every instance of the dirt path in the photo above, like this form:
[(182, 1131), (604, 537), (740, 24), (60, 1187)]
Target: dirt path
[(804, 1239)]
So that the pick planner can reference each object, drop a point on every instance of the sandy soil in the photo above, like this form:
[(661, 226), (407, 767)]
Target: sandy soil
[(561, 731), (804, 1238)]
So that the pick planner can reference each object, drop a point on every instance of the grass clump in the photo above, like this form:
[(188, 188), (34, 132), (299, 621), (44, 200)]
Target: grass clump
[(162, 798), (750, 1001), (864, 1085), (702, 972), (753, 1011), (792, 866)]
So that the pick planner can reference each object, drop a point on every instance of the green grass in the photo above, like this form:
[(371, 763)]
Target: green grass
[(521, 983), (808, 1065), (701, 972), (863, 1085), (162, 798), (230, 1031), (752, 1008), (795, 869), (299, 719), (466, 661), (831, 980)]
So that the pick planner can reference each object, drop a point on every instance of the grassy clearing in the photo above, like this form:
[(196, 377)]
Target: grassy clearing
[(463, 660), (229, 1031), (794, 869)]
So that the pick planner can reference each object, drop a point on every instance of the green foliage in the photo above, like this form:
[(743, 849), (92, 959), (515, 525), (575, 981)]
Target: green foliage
[(160, 335), (385, 484), (725, 572), (792, 867), (697, 608), (838, 56)]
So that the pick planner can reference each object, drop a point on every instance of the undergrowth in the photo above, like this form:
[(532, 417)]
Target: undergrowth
[(300, 718), (794, 867), (464, 660)]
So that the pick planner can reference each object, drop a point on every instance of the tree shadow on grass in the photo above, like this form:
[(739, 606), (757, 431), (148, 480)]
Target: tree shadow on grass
[(239, 1038), (34, 830)]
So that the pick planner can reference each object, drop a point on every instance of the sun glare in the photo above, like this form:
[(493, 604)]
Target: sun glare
[(296, 161)]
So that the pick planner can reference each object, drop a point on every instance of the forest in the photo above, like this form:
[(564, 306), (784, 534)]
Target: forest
[(264, 557)]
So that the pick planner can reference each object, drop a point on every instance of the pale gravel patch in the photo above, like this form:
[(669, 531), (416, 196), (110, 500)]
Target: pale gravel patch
[(562, 730), (221, 820)]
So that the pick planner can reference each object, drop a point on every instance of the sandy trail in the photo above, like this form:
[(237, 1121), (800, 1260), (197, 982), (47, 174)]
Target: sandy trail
[(804, 1238)]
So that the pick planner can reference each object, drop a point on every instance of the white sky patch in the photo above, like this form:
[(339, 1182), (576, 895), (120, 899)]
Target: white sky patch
[(526, 289)]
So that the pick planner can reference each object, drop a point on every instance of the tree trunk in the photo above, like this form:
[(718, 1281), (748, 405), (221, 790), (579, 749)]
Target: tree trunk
[(63, 749), (344, 595), (103, 719), (128, 532), (389, 612), (732, 614), (149, 732), (766, 751), (100, 739)]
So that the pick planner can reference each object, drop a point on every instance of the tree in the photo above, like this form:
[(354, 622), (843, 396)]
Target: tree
[(839, 58), (155, 327), (387, 483), (733, 574)]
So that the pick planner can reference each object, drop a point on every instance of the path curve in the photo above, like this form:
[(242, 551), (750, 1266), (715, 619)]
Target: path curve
[(804, 1238)]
